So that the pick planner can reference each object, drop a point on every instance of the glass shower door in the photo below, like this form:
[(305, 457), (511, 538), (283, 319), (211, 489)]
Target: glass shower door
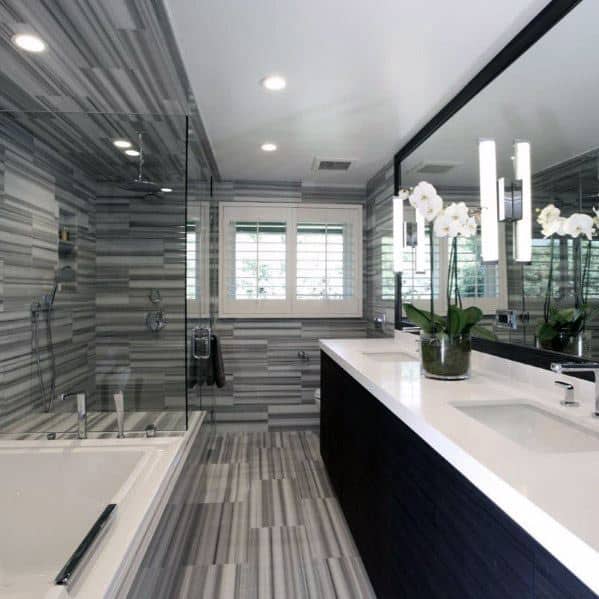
[(92, 270)]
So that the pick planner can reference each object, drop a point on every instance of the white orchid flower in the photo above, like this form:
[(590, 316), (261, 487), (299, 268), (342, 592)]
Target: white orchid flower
[(470, 228), (548, 214), (579, 224), (425, 199), (431, 209), (422, 193), (557, 225), (458, 212), (596, 217), (442, 225)]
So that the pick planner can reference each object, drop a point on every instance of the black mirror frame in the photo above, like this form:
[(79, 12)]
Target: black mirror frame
[(552, 14)]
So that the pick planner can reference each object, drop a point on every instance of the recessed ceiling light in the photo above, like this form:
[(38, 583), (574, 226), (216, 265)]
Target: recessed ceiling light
[(122, 143), (274, 83), (269, 147), (28, 42), (166, 189), (132, 152)]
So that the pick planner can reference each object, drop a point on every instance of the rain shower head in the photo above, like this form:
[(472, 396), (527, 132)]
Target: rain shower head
[(141, 185)]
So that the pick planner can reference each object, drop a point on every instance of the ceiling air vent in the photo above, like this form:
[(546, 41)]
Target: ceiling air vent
[(434, 168), (329, 164)]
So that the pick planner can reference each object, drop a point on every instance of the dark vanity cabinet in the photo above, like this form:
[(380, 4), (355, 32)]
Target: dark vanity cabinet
[(422, 529)]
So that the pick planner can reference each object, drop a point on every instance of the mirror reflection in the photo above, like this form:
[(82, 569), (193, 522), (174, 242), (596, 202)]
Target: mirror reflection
[(523, 156)]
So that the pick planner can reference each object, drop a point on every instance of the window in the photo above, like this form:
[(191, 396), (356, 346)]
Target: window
[(387, 275), (259, 261), (535, 273), (192, 262), (321, 270), (290, 260), (196, 241)]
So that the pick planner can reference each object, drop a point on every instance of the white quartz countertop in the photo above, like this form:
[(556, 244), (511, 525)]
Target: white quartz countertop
[(553, 496)]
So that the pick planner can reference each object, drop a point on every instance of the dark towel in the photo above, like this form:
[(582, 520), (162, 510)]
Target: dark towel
[(219, 367), (215, 369)]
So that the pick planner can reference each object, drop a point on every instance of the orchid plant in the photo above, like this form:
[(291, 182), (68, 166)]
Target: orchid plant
[(566, 321), (450, 222)]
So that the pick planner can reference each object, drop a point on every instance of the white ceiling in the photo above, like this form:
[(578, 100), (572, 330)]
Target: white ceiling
[(362, 76), (549, 97)]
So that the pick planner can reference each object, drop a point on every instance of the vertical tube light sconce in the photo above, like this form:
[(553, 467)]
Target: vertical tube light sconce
[(420, 243), (398, 234), (489, 228), (523, 227)]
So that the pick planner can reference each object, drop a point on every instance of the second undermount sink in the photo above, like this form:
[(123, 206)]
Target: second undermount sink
[(390, 356), (533, 427)]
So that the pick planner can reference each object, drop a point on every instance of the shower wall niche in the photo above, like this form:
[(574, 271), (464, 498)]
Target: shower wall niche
[(79, 258)]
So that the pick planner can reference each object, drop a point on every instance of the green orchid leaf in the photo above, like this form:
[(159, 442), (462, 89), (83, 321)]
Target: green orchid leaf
[(471, 316), (455, 320), (419, 318), (483, 333)]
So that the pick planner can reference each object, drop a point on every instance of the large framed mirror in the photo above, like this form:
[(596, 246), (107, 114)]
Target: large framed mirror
[(541, 293)]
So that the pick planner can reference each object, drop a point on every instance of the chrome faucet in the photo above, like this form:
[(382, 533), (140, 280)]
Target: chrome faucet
[(565, 367), (81, 411)]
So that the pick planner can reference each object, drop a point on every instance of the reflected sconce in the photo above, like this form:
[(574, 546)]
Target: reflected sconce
[(420, 243), (489, 227), (505, 203), (398, 234), (523, 227)]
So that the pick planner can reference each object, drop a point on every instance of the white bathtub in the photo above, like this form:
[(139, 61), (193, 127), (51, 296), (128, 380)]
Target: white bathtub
[(52, 492)]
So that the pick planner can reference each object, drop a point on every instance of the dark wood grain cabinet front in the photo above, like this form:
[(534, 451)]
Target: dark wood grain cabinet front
[(422, 529)]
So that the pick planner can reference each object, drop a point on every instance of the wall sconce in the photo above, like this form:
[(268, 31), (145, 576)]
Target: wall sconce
[(523, 227), (497, 205), (489, 228), (398, 233), (420, 243)]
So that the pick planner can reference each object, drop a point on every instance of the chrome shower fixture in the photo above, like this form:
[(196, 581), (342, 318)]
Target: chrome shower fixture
[(140, 184)]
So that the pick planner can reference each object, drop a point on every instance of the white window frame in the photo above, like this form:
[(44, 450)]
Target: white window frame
[(292, 214)]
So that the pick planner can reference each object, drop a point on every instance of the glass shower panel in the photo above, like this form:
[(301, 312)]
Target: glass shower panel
[(201, 395), (92, 270)]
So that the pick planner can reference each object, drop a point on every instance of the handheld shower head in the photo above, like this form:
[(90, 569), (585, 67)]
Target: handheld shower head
[(64, 275)]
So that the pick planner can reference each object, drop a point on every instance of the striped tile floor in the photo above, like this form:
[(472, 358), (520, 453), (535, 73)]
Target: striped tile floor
[(253, 516)]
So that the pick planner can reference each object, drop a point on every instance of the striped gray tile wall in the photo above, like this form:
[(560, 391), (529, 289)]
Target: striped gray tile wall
[(103, 57), (268, 385), (379, 224), (140, 246), (38, 190)]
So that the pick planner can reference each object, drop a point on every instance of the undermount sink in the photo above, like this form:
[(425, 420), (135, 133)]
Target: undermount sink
[(533, 427), (395, 356)]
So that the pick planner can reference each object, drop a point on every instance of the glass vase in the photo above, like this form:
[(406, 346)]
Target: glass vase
[(445, 357), (565, 343)]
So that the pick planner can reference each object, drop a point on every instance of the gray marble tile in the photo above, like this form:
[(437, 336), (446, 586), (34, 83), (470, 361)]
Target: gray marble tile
[(328, 534), (274, 503), (287, 539)]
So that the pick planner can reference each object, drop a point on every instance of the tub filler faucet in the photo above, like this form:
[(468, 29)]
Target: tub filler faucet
[(81, 411), (119, 407)]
